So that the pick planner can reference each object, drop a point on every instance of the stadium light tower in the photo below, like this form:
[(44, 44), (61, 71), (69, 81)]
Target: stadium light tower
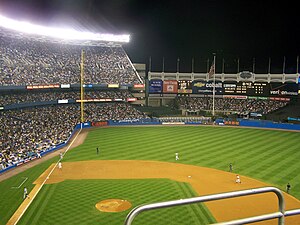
[(60, 33)]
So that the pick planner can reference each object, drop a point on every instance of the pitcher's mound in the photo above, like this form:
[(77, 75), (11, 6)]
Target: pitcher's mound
[(113, 205)]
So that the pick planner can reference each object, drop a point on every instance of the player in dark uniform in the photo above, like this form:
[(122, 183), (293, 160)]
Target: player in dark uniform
[(288, 188)]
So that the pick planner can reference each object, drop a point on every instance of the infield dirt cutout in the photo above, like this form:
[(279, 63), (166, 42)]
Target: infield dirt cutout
[(113, 205), (203, 180)]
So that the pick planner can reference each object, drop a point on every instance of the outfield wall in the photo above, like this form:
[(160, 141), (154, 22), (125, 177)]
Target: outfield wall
[(268, 124)]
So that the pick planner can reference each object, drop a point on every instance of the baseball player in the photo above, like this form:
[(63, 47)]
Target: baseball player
[(238, 179), (59, 165), (176, 156), (288, 188), (230, 167), (25, 194)]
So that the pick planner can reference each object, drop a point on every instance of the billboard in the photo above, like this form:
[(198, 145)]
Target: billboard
[(185, 86), (65, 86), (30, 87), (113, 85), (155, 86), (139, 85), (283, 89), (170, 86), (99, 124), (206, 88)]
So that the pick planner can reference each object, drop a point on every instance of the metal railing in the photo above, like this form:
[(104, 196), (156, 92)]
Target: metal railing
[(280, 214)]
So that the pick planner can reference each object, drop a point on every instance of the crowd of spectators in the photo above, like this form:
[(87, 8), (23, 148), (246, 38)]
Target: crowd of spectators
[(230, 104), (112, 111), (34, 96), (28, 132), (30, 62)]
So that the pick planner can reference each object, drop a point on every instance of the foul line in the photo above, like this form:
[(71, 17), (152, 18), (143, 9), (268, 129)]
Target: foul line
[(26, 178), (35, 194)]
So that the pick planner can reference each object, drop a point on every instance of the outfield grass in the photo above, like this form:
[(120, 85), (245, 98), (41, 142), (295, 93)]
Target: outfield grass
[(73, 202), (267, 155), (271, 156)]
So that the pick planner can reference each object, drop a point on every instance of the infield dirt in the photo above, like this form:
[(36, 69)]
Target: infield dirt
[(203, 180), (113, 205)]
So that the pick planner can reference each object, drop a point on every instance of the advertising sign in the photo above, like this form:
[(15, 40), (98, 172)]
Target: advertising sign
[(99, 124), (206, 88), (283, 89), (155, 86), (30, 87), (170, 86)]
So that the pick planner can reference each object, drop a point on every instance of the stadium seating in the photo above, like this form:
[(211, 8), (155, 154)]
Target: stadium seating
[(25, 62), (26, 132), (32, 126), (230, 104)]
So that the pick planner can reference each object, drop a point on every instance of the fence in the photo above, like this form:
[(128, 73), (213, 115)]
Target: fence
[(281, 214)]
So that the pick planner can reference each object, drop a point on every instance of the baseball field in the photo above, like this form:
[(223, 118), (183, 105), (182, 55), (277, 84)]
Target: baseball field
[(136, 165)]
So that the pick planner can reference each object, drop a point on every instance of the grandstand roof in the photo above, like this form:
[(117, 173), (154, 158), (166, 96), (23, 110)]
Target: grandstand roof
[(20, 29)]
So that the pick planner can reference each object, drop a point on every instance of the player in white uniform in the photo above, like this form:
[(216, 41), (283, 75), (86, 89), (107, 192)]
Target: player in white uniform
[(238, 179), (176, 156), (25, 193), (59, 165)]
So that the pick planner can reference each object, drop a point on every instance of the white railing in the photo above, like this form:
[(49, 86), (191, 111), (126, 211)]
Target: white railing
[(267, 77), (280, 215)]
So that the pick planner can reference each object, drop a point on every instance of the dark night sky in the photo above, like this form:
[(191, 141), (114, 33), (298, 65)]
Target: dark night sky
[(182, 29)]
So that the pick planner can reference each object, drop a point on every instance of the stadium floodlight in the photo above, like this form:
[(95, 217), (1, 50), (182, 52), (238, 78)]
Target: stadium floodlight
[(60, 33)]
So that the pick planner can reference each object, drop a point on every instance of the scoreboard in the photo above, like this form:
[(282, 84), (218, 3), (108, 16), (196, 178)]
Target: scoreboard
[(185, 86), (246, 88)]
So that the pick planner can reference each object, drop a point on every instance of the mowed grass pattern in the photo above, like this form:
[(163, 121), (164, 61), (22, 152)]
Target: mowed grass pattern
[(267, 155), (271, 156), (73, 202)]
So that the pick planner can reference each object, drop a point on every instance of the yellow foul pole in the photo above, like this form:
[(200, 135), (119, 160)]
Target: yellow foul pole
[(81, 87)]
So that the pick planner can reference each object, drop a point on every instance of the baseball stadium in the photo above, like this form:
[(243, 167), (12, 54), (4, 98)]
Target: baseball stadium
[(90, 137)]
